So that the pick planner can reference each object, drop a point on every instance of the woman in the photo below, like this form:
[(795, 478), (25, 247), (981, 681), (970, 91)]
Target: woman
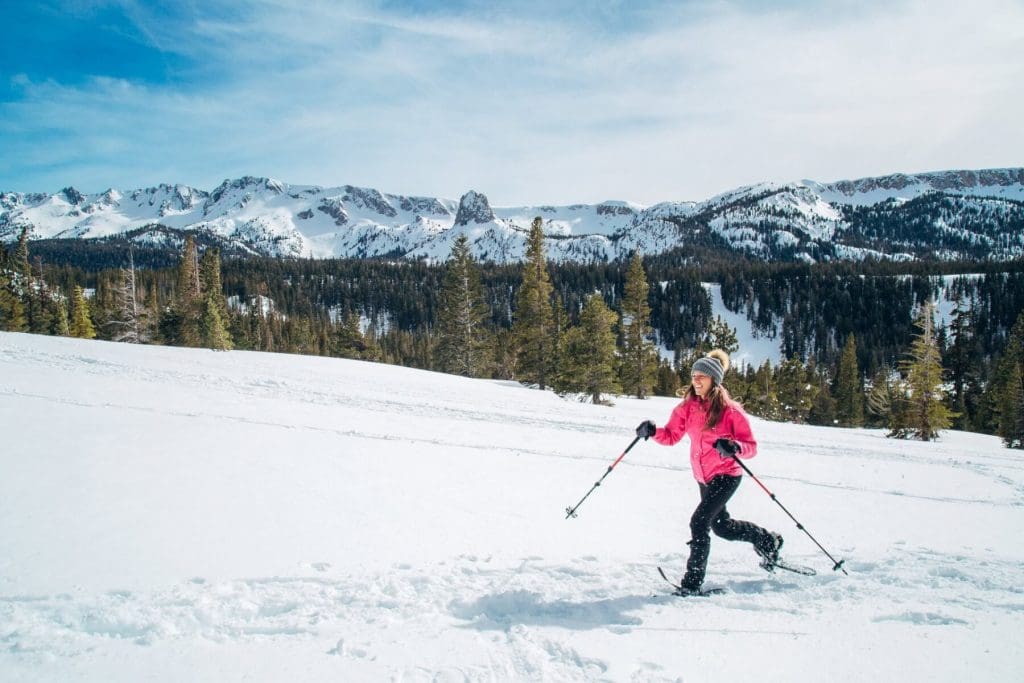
[(718, 428)]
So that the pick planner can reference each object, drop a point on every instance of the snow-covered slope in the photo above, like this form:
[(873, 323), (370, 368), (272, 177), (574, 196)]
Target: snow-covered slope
[(756, 346), (804, 220), (178, 514), (1001, 183)]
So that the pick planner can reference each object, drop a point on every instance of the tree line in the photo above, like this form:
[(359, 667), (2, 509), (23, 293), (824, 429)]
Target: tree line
[(850, 332)]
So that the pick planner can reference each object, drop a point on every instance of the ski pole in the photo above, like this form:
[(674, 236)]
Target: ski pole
[(726, 450), (571, 512)]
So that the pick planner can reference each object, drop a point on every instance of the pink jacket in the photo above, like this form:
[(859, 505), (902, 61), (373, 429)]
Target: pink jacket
[(688, 419)]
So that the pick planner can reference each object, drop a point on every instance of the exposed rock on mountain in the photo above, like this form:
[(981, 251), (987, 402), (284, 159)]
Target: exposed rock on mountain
[(474, 208)]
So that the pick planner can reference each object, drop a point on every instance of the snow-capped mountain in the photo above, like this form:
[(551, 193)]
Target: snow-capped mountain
[(949, 215)]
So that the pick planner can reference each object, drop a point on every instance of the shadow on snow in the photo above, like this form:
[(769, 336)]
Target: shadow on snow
[(503, 610)]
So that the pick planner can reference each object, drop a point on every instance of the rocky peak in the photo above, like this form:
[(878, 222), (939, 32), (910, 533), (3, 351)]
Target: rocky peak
[(111, 197), (72, 196), (421, 205), (614, 209), (9, 200), (333, 207), (369, 199), (245, 183), (474, 207)]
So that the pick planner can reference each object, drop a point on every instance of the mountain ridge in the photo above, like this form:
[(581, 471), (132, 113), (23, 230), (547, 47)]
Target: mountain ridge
[(953, 214)]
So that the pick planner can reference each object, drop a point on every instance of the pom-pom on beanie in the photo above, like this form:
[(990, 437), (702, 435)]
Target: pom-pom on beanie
[(713, 365)]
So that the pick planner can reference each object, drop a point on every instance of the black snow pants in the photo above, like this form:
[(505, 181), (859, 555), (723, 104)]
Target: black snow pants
[(711, 515)]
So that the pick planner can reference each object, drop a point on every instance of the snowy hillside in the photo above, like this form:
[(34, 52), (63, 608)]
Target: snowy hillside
[(805, 220), (176, 514), (756, 347)]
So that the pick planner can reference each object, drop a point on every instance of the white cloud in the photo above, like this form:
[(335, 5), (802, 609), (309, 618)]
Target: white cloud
[(541, 107)]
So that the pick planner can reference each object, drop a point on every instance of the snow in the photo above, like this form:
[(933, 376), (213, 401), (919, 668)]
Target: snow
[(945, 302), (606, 218), (180, 514), (754, 347)]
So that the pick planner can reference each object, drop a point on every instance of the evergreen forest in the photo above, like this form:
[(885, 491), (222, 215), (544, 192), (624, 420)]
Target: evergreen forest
[(860, 340)]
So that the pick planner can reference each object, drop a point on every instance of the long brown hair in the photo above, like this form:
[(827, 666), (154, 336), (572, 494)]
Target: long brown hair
[(718, 400)]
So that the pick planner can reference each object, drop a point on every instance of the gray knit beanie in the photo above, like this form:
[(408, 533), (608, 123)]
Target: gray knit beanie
[(710, 366)]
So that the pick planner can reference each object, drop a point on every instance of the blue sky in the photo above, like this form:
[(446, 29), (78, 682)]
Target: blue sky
[(527, 102)]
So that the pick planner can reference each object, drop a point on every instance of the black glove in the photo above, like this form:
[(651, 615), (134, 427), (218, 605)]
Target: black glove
[(727, 448), (646, 430)]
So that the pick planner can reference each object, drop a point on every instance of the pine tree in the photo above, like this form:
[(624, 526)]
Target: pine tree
[(1011, 418), (212, 330), (43, 303), (533, 323), (349, 341), (739, 378), (19, 260), (881, 397), (848, 393), (823, 410), (213, 333), (795, 390), (463, 346), (963, 358), (668, 383), (761, 398), (504, 366), (152, 305), (588, 353), (34, 293), (81, 323), (920, 412), (188, 287), (371, 348), (717, 335), (1008, 389), (180, 324), (210, 281), (639, 362), (561, 321), (720, 335), (12, 307), (61, 327), (12, 310), (348, 337)]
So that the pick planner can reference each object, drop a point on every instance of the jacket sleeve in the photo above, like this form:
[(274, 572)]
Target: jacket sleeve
[(674, 429), (741, 433)]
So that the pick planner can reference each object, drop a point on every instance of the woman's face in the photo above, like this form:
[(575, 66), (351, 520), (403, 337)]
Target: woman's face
[(701, 383)]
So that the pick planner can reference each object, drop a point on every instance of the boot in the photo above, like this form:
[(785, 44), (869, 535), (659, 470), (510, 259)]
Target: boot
[(696, 565), (768, 549)]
